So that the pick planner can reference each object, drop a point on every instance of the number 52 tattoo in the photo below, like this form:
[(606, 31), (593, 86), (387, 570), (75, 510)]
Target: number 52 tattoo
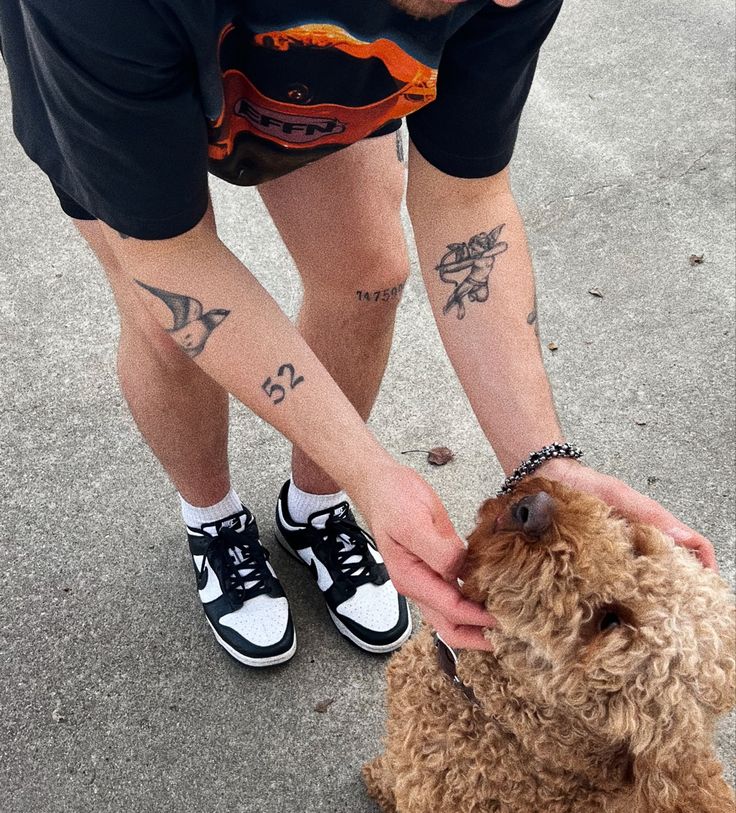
[(277, 392)]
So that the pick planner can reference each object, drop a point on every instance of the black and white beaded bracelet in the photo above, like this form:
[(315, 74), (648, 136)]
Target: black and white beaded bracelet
[(535, 460)]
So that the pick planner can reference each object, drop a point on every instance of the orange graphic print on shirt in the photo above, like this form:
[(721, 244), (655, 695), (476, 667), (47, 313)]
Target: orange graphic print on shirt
[(295, 95)]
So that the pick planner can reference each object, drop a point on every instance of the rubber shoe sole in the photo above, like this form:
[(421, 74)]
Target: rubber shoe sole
[(274, 660)]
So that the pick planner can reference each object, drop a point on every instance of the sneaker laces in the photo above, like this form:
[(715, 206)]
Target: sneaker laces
[(243, 561), (348, 546)]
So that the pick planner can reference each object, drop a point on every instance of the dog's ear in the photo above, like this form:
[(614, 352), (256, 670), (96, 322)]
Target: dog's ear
[(666, 720), (671, 765), (689, 782), (711, 620), (648, 541), (715, 633)]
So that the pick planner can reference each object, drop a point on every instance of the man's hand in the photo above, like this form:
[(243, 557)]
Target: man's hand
[(422, 551), (630, 503), (479, 280)]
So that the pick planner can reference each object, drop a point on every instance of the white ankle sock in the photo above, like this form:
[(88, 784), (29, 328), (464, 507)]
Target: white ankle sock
[(301, 503), (195, 516)]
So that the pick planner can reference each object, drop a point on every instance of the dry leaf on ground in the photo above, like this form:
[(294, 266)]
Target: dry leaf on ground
[(438, 456), (323, 705)]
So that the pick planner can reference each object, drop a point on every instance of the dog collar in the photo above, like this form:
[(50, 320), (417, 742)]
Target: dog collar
[(447, 662)]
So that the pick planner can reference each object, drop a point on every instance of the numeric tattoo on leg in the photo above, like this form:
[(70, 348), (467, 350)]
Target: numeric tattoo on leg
[(277, 392), (380, 296), (192, 327), (475, 259)]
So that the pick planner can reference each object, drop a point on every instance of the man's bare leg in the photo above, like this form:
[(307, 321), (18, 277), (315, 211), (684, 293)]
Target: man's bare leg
[(347, 239), (340, 219), (179, 410)]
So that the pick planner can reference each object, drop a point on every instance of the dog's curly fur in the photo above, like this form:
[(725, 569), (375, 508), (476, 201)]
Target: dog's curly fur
[(576, 713)]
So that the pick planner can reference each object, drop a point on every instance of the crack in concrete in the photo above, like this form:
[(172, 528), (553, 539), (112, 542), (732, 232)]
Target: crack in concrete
[(662, 176)]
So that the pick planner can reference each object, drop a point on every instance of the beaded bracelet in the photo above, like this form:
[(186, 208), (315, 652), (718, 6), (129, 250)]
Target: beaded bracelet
[(535, 460)]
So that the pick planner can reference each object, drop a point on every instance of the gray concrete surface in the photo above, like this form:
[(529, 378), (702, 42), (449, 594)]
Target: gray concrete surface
[(113, 695)]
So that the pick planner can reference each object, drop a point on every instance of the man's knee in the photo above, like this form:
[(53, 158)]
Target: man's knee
[(140, 335), (145, 337), (371, 272), (383, 285)]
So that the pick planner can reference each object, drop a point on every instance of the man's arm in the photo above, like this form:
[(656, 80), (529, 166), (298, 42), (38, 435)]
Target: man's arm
[(477, 270), (219, 314)]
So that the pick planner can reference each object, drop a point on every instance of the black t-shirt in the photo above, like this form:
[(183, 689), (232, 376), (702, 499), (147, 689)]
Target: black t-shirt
[(126, 106)]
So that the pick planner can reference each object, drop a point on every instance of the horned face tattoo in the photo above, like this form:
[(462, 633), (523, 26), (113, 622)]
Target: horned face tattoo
[(191, 327), (399, 147), (533, 318), (476, 257)]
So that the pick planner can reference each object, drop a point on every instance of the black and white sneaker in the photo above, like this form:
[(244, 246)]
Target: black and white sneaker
[(243, 600), (349, 570)]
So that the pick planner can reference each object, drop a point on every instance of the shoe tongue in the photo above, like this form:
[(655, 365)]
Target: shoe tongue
[(237, 556), (337, 512), (212, 529)]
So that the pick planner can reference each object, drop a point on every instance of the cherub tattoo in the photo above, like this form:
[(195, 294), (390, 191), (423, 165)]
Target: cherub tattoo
[(477, 257), (191, 327)]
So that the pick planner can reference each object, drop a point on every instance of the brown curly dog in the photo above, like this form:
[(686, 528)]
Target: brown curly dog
[(614, 654)]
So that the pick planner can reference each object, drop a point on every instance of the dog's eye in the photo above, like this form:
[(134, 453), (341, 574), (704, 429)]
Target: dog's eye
[(605, 619), (609, 620)]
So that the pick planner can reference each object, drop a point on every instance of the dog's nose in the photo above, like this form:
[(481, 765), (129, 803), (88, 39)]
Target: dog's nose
[(533, 514)]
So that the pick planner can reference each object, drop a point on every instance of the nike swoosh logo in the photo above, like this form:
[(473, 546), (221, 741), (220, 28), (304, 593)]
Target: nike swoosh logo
[(209, 588), (202, 578), (319, 571)]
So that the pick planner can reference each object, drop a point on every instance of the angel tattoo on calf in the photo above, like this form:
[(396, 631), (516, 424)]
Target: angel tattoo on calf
[(192, 326), (476, 257)]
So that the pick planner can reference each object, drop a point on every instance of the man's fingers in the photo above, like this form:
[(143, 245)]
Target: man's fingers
[(687, 538), (637, 506), (447, 600), (456, 636), (420, 583), (644, 509), (443, 552), (438, 545)]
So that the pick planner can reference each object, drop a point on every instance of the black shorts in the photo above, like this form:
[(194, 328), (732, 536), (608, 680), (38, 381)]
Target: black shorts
[(70, 206), (127, 113)]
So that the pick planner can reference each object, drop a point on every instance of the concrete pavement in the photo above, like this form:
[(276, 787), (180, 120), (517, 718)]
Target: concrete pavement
[(113, 695)]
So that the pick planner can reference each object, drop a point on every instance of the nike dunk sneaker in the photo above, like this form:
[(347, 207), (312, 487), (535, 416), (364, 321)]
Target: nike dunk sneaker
[(350, 573), (243, 601)]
